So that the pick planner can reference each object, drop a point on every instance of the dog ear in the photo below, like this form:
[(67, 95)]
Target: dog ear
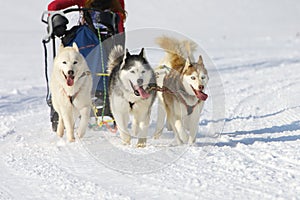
[(200, 60), (75, 46), (127, 54), (61, 47), (187, 64), (142, 53)]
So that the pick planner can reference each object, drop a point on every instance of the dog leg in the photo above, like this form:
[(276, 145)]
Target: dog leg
[(60, 126), (85, 116), (181, 132), (178, 140), (194, 123), (143, 126), (193, 133), (169, 127), (69, 125), (122, 120), (121, 116), (125, 136), (135, 127), (161, 115), (171, 122)]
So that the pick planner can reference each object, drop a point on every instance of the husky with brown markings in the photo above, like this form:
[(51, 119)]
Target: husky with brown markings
[(183, 94)]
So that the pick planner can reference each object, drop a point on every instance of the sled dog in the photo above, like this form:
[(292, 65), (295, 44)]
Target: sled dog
[(70, 86), (131, 76), (183, 95)]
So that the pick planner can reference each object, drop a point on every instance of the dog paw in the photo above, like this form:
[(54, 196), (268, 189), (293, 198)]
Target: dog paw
[(71, 140), (157, 136), (125, 138), (191, 140), (80, 135), (141, 143), (184, 138), (178, 141), (60, 134), (125, 142)]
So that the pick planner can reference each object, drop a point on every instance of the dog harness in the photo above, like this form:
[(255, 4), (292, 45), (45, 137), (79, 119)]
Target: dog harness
[(189, 108)]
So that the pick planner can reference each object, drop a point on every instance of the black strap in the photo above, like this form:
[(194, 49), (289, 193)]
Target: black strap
[(48, 99), (131, 104)]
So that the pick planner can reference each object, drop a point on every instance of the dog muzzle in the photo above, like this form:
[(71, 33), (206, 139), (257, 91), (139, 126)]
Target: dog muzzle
[(200, 94), (69, 78), (139, 91)]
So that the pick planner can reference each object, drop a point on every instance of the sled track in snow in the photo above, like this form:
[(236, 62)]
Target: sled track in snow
[(259, 64), (256, 157), (252, 126), (4, 194), (43, 167), (25, 101)]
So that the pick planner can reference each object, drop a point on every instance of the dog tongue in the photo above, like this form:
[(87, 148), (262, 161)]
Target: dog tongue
[(201, 95), (70, 80), (142, 92)]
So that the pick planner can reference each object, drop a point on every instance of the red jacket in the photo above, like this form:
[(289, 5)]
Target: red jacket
[(62, 4)]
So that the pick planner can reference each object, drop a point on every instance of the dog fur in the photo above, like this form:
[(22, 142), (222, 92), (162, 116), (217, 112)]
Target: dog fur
[(130, 78), (184, 84), (71, 85)]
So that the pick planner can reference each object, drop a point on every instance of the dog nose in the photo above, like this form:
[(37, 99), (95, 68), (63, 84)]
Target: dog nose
[(201, 87), (70, 72), (140, 81)]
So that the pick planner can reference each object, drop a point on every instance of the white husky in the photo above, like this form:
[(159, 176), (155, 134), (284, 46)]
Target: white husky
[(131, 76), (184, 83), (71, 85)]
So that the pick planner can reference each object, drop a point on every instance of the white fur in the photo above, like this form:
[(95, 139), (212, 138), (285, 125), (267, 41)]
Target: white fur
[(69, 58)]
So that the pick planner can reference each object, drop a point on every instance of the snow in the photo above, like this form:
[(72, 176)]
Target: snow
[(248, 150)]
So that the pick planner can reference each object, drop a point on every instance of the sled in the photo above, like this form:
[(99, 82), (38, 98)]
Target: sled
[(94, 42)]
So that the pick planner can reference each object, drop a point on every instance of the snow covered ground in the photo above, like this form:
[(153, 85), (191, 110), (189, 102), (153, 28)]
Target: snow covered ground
[(254, 47)]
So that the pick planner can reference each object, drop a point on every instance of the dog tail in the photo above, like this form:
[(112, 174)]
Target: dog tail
[(115, 57), (179, 50)]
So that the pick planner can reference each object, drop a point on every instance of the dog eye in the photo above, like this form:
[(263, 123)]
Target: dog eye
[(132, 72), (143, 71), (203, 77), (193, 77), (75, 62), (64, 62)]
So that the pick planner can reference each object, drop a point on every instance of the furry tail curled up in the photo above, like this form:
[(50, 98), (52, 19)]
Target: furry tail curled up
[(178, 48), (115, 57)]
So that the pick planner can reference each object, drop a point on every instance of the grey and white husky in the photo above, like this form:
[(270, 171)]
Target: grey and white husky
[(131, 77)]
